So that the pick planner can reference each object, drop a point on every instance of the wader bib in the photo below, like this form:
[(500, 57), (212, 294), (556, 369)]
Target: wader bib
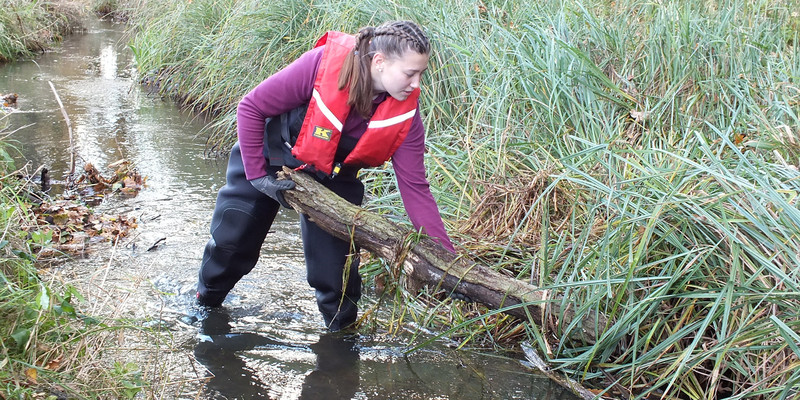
[(242, 217)]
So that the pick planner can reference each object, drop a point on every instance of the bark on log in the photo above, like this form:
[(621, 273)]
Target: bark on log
[(424, 260)]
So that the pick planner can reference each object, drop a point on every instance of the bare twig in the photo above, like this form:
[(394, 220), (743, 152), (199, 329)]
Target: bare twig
[(69, 129), (569, 384)]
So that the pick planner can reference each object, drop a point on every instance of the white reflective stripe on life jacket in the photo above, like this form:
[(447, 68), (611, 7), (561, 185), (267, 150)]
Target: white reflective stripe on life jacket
[(392, 121), (327, 112)]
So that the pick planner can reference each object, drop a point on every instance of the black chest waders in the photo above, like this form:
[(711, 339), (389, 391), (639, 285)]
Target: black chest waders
[(240, 222)]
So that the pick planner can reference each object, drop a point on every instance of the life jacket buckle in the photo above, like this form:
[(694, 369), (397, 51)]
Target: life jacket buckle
[(337, 167)]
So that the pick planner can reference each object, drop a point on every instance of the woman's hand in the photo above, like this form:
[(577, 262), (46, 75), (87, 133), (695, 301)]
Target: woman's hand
[(273, 187)]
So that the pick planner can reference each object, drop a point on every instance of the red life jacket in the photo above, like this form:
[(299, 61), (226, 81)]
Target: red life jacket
[(327, 110)]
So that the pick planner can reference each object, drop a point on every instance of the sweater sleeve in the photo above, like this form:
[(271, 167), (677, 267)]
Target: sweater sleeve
[(409, 166), (285, 90)]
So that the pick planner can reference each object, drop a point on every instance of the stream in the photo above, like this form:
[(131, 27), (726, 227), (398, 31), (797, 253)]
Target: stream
[(268, 339)]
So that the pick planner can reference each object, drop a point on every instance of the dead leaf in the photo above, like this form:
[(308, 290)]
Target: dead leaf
[(53, 365), (31, 374)]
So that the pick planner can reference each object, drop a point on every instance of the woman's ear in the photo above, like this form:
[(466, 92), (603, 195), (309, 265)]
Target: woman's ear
[(377, 60)]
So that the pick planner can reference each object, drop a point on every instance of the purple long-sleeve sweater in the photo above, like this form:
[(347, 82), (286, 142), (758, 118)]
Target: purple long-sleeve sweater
[(290, 88)]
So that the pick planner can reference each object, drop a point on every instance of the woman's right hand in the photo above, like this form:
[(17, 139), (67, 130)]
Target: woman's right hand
[(273, 187)]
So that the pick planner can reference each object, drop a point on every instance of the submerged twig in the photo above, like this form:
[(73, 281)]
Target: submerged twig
[(567, 383)]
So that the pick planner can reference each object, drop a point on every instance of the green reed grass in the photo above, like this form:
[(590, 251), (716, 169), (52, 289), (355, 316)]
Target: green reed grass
[(636, 159), (28, 27), (32, 316)]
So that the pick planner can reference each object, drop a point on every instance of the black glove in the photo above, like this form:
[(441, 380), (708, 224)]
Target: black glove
[(273, 187)]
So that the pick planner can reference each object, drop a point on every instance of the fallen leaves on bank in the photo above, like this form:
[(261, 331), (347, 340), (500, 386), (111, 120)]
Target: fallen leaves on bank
[(67, 224)]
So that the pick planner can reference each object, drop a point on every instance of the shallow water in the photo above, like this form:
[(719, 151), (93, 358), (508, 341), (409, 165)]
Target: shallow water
[(268, 340)]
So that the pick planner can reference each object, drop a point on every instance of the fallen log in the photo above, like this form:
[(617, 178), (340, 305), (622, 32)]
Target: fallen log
[(426, 261)]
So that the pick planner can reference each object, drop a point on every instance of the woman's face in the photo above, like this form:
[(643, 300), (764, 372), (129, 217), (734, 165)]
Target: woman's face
[(398, 76)]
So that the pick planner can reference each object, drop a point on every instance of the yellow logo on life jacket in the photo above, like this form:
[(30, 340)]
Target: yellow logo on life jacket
[(322, 133)]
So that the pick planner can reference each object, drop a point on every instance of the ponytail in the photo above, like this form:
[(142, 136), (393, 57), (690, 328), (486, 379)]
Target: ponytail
[(355, 74)]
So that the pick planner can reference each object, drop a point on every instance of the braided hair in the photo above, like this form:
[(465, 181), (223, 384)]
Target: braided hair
[(391, 38)]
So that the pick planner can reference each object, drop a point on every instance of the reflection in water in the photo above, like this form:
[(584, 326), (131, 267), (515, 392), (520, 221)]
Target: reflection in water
[(221, 351), (336, 374), (218, 350), (108, 62), (244, 365)]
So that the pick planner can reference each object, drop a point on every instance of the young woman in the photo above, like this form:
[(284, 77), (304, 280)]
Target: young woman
[(359, 95)]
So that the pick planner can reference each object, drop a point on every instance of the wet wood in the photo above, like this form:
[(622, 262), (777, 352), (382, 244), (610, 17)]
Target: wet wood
[(425, 261), (536, 362)]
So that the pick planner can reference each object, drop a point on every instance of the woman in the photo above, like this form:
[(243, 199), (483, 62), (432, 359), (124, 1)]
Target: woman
[(360, 99)]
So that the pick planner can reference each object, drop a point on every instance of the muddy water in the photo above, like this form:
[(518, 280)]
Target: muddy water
[(268, 340)]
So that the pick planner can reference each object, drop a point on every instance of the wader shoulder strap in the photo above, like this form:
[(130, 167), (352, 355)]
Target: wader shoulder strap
[(280, 134)]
